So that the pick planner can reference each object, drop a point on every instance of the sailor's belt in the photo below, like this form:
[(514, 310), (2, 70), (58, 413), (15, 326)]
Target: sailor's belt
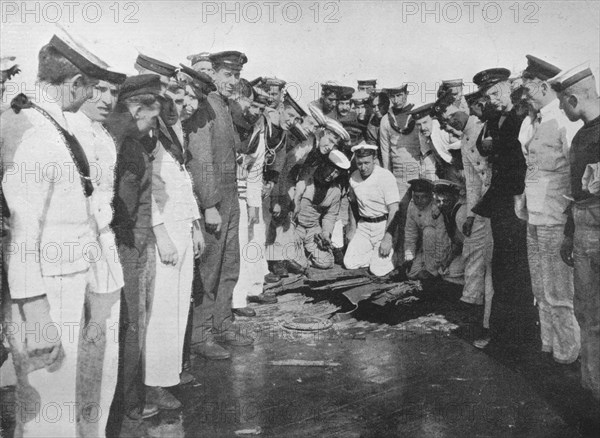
[(586, 203), (374, 220)]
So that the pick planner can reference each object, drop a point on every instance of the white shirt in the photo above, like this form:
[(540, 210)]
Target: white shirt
[(101, 152), (375, 193), (526, 131), (442, 142), (172, 190)]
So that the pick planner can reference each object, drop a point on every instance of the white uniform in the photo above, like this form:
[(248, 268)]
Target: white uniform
[(101, 153), (478, 247), (546, 143), (54, 250), (174, 206), (253, 263), (373, 197)]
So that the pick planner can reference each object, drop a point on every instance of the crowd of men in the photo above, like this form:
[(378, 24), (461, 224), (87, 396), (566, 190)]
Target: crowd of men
[(141, 214)]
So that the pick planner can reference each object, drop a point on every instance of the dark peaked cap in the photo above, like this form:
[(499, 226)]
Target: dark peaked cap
[(328, 88), (231, 58), (538, 68), (202, 80), (472, 97), (344, 93), (367, 82), (442, 103), (487, 78), (289, 100), (155, 65), (421, 185), (139, 85)]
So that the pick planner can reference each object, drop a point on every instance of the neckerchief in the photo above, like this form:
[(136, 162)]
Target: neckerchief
[(375, 121), (259, 130), (172, 144), (273, 143), (73, 146), (410, 123)]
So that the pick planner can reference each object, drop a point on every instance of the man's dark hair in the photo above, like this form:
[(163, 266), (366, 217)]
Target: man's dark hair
[(443, 90), (442, 103), (362, 153), (328, 92), (245, 88), (518, 99), (384, 100), (53, 67)]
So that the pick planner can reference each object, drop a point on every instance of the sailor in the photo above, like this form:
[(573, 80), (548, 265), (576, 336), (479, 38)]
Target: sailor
[(578, 95), (375, 201), (546, 185), (50, 289), (426, 239), (213, 316), (317, 203)]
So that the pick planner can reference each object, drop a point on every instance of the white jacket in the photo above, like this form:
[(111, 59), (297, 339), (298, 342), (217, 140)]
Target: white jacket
[(52, 228), (548, 169)]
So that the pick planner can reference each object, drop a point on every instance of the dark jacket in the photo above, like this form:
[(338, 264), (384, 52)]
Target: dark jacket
[(132, 203), (213, 142), (585, 149), (506, 156), (204, 156)]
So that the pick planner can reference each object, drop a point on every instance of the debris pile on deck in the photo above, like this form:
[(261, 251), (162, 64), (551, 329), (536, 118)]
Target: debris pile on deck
[(324, 302)]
